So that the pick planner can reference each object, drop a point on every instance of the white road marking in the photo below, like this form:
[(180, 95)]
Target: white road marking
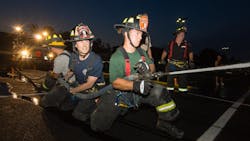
[(211, 133), (218, 99)]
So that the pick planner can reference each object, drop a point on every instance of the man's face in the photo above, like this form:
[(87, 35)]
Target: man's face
[(83, 47), (53, 49), (135, 36), (180, 36)]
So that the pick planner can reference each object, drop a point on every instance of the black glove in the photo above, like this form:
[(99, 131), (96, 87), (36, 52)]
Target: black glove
[(142, 87), (142, 67), (191, 64)]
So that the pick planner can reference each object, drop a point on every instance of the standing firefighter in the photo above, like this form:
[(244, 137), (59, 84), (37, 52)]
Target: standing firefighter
[(179, 56), (146, 40), (128, 92)]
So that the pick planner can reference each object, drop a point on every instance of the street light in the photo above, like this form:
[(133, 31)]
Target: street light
[(18, 40), (45, 33), (38, 37), (24, 53), (18, 28)]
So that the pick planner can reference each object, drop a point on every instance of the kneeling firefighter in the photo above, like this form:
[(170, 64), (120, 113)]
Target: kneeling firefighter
[(87, 68), (55, 44), (129, 93)]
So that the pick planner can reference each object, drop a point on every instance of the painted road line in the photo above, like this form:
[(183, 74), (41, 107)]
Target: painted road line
[(218, 99), (217, 127)]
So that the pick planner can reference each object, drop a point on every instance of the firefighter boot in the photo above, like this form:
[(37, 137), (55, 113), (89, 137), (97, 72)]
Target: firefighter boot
[(170, 129)]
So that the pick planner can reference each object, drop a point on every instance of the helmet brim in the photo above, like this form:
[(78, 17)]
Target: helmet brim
[(76, 40), (64, 46), (55, 46), (177, 32), (119, 26)]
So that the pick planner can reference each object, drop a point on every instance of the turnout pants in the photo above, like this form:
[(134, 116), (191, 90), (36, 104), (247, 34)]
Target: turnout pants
[(107, 110), (60, 98), (182, 79)]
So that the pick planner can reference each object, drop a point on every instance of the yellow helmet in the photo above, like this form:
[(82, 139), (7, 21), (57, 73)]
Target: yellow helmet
[(55, 40), (180, 26)]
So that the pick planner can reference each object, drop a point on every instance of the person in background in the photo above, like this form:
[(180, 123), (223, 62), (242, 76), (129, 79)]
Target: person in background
[(180, 57)]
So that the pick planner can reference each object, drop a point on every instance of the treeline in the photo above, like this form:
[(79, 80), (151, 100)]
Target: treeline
[(205, 58)]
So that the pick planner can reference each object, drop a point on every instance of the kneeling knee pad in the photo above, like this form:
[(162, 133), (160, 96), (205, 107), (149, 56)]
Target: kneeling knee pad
[(160, 95), (170, 115)]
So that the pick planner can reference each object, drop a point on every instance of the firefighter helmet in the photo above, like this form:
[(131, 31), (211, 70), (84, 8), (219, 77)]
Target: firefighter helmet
[(81, 32), (180, 26), (139, 22), (180, 29), (54, 40)]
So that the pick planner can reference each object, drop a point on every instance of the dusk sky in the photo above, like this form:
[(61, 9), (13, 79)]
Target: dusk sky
[(211, 23)]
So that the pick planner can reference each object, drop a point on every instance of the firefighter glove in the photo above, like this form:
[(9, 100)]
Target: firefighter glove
[(142, 87), (142, 67)]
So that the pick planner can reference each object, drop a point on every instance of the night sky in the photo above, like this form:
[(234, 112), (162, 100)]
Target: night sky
[(211, 23)]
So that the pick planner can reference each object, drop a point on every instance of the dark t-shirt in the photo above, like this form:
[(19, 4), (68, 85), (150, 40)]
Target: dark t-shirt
[(92, 66), (178, 51)]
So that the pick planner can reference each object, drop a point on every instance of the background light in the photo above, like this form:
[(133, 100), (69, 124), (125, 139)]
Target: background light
[(38, 37), (35, 100), (18, 28), (50, 55), (45, 33)]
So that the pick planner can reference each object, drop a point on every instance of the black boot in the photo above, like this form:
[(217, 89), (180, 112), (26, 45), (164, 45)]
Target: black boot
[(170, 129)]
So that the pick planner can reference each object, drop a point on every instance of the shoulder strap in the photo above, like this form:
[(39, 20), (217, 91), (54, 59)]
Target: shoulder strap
[(127, 62), (126, 58), (185, 55), (141, 53), (171, 46)]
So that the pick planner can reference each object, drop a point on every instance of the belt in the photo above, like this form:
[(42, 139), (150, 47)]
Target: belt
[(178, 63)]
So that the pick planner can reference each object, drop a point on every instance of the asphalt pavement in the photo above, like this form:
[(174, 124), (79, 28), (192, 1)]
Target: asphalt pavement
[(206, 114)]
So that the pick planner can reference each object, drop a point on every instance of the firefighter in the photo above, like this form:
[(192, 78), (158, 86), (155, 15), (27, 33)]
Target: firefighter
[(146, 40), (56, 45), (87, 68), (180, 57), (128, 93), (54, 98), (219, 77)]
